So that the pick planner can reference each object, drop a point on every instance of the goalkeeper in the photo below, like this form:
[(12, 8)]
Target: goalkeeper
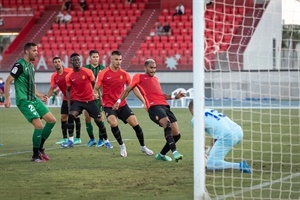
[(225, 135)]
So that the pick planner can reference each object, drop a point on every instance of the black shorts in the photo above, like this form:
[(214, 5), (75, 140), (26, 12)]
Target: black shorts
[(89, 106), (122, 113), (64, 107), (161, 111), (64, 110)]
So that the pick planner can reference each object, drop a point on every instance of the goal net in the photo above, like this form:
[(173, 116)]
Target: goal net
[(252, 50)]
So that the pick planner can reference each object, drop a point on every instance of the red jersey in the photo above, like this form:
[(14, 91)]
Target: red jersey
[(59, 80), (81, 84), (150, 89), (113, 84)]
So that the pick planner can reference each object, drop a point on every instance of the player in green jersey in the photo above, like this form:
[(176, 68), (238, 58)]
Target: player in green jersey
[(96, 67), (29, 100)]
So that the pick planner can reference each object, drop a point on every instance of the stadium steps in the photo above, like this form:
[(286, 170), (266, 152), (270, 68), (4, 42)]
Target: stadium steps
[(243, 36), (137, 35), (34, 35)]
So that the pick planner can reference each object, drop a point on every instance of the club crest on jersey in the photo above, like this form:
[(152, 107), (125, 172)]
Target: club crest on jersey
[(83, 77), (156, 117), (121, 77)]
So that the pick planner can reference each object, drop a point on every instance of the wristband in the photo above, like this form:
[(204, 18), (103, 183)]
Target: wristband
[(119, 101)]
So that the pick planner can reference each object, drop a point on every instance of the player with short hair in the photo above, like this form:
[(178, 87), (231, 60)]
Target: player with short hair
[(112, 81), (58, 80), (81, 81), (28, 100), (96, 67), (225, 135), (158, 108)]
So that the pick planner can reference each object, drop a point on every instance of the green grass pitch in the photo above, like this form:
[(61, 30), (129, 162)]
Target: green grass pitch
[(271, 145)]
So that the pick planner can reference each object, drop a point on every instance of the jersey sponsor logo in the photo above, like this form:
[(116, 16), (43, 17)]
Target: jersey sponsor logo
[(108, 77), (14, 70), (73, 79), (146, 78)]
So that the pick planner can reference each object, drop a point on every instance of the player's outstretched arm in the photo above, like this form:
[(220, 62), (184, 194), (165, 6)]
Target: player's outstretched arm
[(137, 93), (8, 81), (123, 95)]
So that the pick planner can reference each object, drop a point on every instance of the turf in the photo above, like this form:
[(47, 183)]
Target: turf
[(270, 145)]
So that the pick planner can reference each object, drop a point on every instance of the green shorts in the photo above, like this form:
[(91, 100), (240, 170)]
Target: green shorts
[(32, 109), (98, 103)]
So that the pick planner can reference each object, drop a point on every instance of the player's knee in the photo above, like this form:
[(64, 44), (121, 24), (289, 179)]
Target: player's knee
[(71, 118)]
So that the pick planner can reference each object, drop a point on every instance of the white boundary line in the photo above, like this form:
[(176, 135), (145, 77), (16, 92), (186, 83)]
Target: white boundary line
[(257, 187)]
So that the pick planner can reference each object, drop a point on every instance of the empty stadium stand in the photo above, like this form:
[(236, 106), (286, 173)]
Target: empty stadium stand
[(110, 25)]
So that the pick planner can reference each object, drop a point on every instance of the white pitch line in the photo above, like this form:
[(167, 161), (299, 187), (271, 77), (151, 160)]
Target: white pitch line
[(257, 186)]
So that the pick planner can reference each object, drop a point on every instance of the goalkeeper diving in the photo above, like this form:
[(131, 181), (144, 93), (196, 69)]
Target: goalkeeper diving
[(225, 134)]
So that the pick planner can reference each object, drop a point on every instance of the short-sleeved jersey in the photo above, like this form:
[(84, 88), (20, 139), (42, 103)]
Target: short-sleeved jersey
[(218, 125), (59, 80), (95, 70), (24, 80), (112, 84), (81, 84), (150, 88)]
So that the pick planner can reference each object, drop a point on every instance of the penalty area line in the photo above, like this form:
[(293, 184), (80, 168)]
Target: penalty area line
[(257, 186)]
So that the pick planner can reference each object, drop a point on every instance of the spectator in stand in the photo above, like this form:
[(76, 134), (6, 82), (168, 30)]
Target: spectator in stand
[(83, 5), (59, 18), (179, 10), (66, 6), (166, 29), (128, 1), (159, 29), (208, 2), (67, 18), (2, 97)]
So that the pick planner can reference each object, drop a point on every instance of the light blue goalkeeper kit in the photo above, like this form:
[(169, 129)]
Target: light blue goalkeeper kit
[(227, 134)]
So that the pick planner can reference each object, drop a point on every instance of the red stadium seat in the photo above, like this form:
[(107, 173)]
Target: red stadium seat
[(167, 46), (163, 53), (159, 46), (151, 46), (144, 46), (135, 60)]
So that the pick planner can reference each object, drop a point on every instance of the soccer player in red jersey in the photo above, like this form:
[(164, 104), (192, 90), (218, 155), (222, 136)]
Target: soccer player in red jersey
[(80, 82), (157, 106), (58, 79), (112, 80)]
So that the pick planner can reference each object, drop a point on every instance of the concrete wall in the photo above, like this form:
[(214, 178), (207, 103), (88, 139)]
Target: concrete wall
[(259, 52)]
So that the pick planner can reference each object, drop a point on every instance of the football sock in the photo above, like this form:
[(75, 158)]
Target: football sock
[(77, 127), (169, 138), (166, 148), (139, 134), (102, 129), (116, 132), (100, 134), (36, 138), (71, 138), (47, 130), (71, 120), (89, 129), (64, 128)]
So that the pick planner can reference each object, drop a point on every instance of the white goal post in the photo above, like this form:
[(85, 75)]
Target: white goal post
[(251, 59)]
